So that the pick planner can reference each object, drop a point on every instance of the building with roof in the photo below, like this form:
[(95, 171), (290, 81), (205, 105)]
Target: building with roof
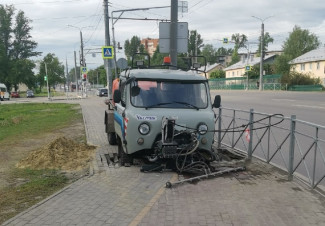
[(150, 45), (238, 69), (312, 62), (211, 68)]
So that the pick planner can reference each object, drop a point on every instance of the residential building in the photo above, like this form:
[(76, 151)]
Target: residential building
[(211, 68), (150, 45), (312, 62), (238, 69)]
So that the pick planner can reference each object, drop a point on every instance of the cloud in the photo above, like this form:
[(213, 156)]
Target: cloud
[(212, 19)]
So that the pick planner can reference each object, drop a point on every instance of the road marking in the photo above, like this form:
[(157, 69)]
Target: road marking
[(308, 106), (283, 100), (150, 204)]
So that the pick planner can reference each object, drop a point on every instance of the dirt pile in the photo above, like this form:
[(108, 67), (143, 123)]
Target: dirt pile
[(62, 153)]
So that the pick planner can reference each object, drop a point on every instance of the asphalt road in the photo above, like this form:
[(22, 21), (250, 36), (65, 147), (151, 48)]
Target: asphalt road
[(307, 106)]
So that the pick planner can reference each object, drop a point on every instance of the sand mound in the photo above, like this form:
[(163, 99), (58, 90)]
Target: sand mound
[(62, 153)]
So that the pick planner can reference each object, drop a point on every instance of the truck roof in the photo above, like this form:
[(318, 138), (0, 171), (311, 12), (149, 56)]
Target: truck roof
[(156, 74)]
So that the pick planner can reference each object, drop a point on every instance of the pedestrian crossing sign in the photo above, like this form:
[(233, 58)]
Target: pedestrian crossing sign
[(84, 70), (248, 68), (107, 52)]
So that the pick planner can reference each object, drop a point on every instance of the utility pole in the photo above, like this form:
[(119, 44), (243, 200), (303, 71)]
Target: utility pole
[(82, 60), (47, 82), (262, 51), (173, 31), (67, 81), (260, 88), (107, 43), (75, 71)]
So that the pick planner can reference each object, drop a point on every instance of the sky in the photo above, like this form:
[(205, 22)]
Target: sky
[(57, 23)]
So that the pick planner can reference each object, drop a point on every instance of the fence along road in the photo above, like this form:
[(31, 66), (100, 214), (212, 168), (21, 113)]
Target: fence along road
[(296, 145)]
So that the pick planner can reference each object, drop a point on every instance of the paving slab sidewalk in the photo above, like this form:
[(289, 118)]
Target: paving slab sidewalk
[(114, 195)]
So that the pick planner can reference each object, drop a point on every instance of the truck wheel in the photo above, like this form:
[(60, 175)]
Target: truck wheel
[(111, 138)]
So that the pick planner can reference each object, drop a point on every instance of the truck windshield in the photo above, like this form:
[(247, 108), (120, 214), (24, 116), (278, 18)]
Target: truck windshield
[(168, 94)]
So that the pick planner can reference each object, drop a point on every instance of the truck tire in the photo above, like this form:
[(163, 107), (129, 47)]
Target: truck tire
[(112, 138)]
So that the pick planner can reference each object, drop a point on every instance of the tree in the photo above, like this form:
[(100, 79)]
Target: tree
[(55, 70), (223, 51), (16, 47), (267, 39), (240, 42), (195, 42), (209, 52), (157, 57), (98, 73), (299, 42), (132, 47)]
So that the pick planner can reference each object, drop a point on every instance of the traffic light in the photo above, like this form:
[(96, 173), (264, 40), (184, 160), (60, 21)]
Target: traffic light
[(84, 77), (45, 78)]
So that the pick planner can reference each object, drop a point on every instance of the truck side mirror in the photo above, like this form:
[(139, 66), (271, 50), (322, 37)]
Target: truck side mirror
[(217, 101), (117, 96)]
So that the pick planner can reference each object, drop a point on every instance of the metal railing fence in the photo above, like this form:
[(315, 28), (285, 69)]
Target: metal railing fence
[(296, 146)]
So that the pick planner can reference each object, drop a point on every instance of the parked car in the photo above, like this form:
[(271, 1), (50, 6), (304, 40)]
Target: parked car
[(103, 93), (29, 93), (15, 94)]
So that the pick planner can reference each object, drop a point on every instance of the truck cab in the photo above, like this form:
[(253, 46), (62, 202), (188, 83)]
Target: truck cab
[(162, 114), (4, 94)]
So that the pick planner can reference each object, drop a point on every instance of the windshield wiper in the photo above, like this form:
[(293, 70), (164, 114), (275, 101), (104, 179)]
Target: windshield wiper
[(156, 105), (187, 104)]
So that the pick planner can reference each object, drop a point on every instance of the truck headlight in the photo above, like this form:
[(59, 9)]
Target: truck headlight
[(202, 128), (144, 128)]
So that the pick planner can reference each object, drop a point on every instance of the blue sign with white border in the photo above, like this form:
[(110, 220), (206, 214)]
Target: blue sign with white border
[(107, 52)]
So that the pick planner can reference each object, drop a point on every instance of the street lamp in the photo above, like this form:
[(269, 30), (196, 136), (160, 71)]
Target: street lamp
[(262, 55)]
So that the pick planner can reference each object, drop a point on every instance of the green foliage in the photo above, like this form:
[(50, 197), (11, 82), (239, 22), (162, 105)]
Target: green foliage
[(240, 42), (133, 46), (266, 41), (218, 74), (223, 51), (16, 47), (194, 43), (299, 42), (210, 53), (157, 58), (255, 72), (281, 64), (296, 78), (98, 73), (55, 71), (235, 58)]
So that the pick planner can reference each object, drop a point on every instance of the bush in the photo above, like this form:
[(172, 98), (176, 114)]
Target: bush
[(296, 78), (218, 74)]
